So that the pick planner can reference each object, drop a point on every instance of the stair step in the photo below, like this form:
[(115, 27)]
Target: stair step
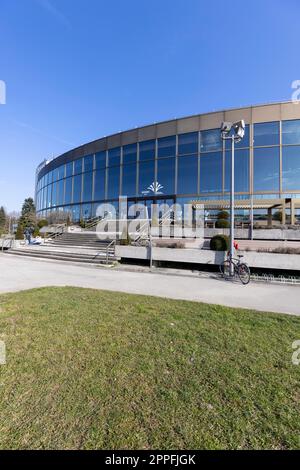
[(63, 256)]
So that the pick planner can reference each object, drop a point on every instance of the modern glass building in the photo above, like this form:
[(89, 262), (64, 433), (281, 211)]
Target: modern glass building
[(178, 161)]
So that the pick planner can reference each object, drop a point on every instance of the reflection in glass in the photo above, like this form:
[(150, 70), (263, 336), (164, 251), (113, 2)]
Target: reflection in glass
[(114, 156), (113, 182), (146, 175), (188, 143), (99, 185), (291, 132), (211, 140), (187, 181), (88, 163), (166, 175), (211, 172), (78, 166), (241, 171), (129, 180), (166, 146), (291, 168), (77, 188), (147, 150), (266, 169), (129, 153), (100, 160), (266, 133), (68, 191), (87, 186)]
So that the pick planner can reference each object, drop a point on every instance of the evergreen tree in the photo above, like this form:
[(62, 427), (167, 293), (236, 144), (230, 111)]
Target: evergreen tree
[(2, 219), (27, 219)]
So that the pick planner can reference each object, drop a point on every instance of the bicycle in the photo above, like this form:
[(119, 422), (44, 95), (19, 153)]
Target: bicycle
[(239, 269)]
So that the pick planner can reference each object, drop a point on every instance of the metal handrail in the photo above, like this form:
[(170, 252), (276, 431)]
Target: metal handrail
[(93, 222), (10, 237), (58, 234), (112, 243)]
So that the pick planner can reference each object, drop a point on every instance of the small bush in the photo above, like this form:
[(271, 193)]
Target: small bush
[(219, 243), (222, 223), (223, 215), (125, 237), (42, 223)]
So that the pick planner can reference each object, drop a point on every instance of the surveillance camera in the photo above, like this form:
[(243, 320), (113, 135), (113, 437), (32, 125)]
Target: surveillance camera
[(226, 127)]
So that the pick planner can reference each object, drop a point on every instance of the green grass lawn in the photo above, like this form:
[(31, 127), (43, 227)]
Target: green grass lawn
[(91, 369)]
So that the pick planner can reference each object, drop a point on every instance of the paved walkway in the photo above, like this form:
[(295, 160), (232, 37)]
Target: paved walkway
[(17, 273)]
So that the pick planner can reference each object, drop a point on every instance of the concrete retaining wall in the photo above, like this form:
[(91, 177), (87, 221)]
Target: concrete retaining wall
[(258, 260), (258, 234)]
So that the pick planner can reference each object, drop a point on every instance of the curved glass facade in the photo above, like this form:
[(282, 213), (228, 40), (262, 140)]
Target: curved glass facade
[(175, 168)]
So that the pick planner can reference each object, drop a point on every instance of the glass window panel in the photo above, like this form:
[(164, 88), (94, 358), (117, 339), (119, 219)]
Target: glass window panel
[(291, 132), (78, 166), (166, 146), (55, 174), (75, 211), (99, 182), (129, 180), (77, 188), (87, 186), (291, 168), (61, 171), (147, 150), (53, 198), (49, 177), (266, 133), (266, 169), (60, 192), (100, 160), (69, 169), (211, 166), (244, 143), (146, 175), (166, 175), (187, 182), (88, 163), (211, 140), (129, 153), (114, 156), (86, 211), (241, 171), (188, 143), (113, 182), (68, 191)]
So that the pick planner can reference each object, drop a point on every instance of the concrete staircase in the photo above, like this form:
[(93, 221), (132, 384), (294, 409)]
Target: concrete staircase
[(80, 247)]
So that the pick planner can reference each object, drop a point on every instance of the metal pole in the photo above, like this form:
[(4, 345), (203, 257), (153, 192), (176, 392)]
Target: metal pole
[(251, 218), (232, 206)]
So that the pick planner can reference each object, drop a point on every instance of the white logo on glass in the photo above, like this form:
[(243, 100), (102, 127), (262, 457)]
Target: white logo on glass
[(154, 188)]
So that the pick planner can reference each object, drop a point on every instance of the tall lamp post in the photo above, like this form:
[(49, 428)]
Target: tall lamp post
[(235, 133)]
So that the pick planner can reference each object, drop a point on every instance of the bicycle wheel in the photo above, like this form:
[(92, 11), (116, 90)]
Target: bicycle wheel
[(243, 272), (225, 268)]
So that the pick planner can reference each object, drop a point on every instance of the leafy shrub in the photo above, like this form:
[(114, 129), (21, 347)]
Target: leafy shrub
[(219, 243), (42, 223), (125, 237), (222, 223), (223, 215)]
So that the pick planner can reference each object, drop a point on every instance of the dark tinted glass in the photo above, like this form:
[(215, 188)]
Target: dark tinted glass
[(187, 175), (87, 186), (88, 163), (114, 156), (113, 182), (211, 172), (129, 180), (78, 166), (69, 169), (77, 188), (166, 175), (68, 191), (146, 175), (100, 160), (147, 150), (188, 143), (129, 153), (99, 190), (166, 146)]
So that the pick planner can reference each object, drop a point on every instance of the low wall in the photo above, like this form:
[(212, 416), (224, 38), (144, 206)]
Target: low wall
[(258, 234), (253, 259)]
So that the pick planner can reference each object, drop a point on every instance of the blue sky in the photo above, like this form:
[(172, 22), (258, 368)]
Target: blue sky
[(76, 70)]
